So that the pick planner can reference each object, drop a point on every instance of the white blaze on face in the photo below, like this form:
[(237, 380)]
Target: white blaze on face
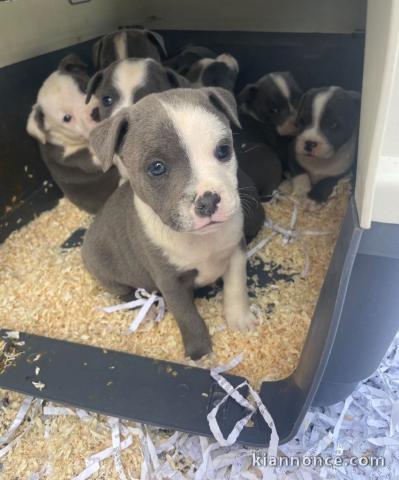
[(120, 42), (128, 77), (60, 96), (288, 128), (201, 132), (313, 133)]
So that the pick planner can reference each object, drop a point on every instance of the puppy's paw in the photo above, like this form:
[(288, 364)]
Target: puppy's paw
[(242, 321), (301, 185), (198, 346), (285, 187)]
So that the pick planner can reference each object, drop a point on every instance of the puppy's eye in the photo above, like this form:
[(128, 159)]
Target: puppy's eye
[(67, 118), (334, 125), (274, 110), (107, 101), (223, 152), (157, 168)]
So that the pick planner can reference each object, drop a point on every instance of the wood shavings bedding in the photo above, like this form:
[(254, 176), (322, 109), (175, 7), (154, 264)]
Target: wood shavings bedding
[(46, 290)]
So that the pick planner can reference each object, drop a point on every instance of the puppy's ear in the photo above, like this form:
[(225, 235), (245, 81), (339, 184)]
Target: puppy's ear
[(248, 93), (96, 53), (157, 40), (35, 126), (106, 140), (93, 84), (303, 99), (175, 80), (224, 101), (72, 64)]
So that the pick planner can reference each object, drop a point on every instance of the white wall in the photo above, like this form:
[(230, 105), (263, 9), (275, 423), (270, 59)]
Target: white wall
[(327, 16), (377, 184), (32, 27)]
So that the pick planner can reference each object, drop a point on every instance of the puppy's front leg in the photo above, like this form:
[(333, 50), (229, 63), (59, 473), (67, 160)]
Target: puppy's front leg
[(235, 295), (180, 300)]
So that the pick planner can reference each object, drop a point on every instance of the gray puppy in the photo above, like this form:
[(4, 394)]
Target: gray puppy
[(177, 223), (127, 43), (127, 81), (61, 122)]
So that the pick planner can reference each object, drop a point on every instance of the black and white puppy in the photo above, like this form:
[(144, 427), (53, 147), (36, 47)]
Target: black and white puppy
[(61, 122), (188, 55), (177, 224), (326, 145), (127, 43), (268, 110), (273, 101), (125, 82), (221, 71)]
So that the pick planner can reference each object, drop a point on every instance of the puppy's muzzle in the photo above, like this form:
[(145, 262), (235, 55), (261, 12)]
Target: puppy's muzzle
[(310, 146), (207, 204)]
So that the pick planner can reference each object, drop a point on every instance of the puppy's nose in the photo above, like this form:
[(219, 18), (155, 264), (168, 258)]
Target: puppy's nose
[(95, 114), (207, 204), (309, 145)]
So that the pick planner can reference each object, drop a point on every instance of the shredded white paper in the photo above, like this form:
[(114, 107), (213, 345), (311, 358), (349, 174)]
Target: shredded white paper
[(361, 430), (145, 301)]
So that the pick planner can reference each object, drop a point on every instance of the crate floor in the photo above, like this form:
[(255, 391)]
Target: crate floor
[(45, 290)]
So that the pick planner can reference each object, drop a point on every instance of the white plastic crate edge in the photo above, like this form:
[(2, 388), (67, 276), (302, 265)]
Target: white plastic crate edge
[(377, 184)]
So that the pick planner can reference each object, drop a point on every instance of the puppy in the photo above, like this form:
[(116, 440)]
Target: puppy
[(126, 82), (190, 54), (61, 122), (325, 148), (273, 101), (177, 223), (221, 71), (127, 43), (268, 111)]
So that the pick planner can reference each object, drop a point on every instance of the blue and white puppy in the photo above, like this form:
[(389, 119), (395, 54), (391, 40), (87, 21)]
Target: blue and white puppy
[(127, 43), (326, 145), (125, 82), (177, 223), (61, 122)]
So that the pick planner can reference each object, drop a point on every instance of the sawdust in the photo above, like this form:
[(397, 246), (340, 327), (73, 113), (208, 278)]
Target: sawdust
[(45, 290), (58, 446)]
